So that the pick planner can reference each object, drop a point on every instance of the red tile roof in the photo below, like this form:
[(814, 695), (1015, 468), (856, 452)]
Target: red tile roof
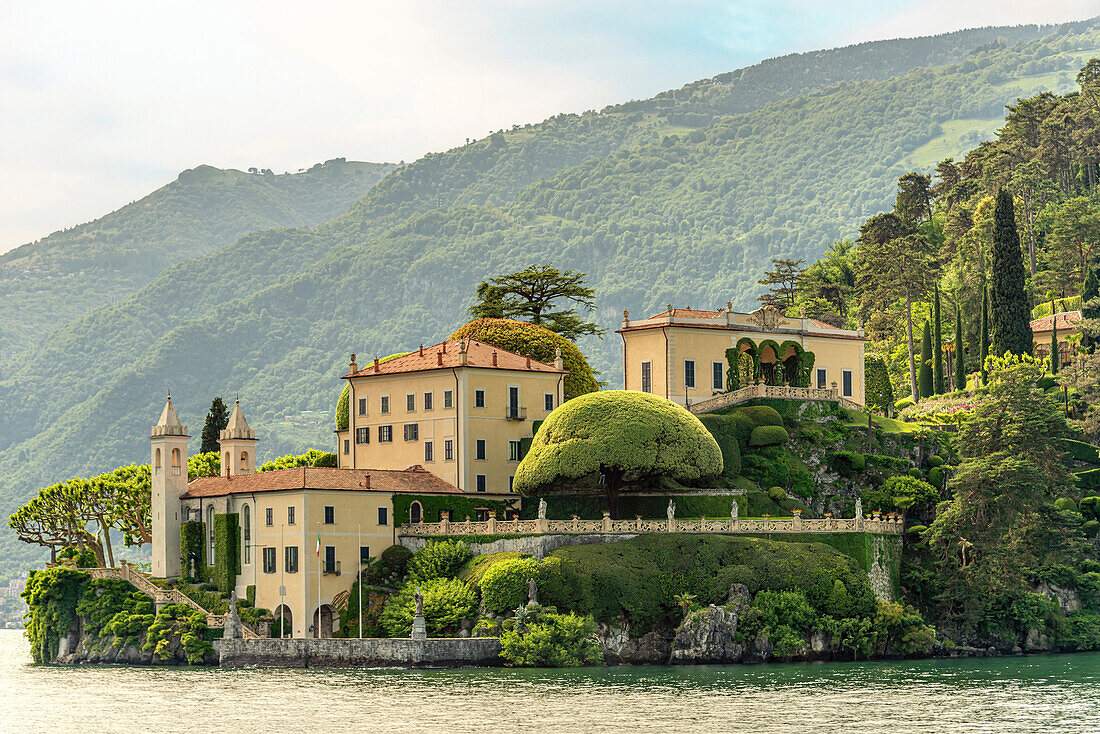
[(447, 355), (690, 313), (414, 480), (823, 325), (1067, 321)]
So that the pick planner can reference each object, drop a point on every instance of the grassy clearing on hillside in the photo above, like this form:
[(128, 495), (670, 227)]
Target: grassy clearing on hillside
[(858, 418)]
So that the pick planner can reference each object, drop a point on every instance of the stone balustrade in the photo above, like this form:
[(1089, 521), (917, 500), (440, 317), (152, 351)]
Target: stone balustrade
[(783, 392), (876, 523)]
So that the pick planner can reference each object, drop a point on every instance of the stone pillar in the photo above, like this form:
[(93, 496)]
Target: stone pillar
[(420, 629), (233, 628), (492, 526), (606, 521), (796, 522), (543, 525)]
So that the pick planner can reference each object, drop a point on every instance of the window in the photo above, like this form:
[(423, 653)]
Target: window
[(176, 462), (269, 516), (513, 451), (718, 375), (362, 435), (210, 529), (479, 398), (383, 516), (846, 382), (647, 375), (410, 402), (448, 399), (548, 401), (330, 559), (480, 482), (479, 449), (385, 434), (246, 535), (429, 452), (386, 404), (330, 515), (347, 445), (429, 401), (269, 560), (822, 378), (290, 515), (362, 406), (448, 450), (689, 373), (412, 431), (291, 553), (511, 481), (364, 554)]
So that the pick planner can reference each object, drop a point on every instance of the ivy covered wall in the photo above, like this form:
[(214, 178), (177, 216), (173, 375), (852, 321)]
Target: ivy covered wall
[(227, 545), (460, 506)]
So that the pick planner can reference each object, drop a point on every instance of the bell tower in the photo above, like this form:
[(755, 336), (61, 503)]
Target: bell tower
[(238, 445), (168, 440)]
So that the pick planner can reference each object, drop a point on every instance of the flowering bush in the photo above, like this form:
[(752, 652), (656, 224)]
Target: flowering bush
[(952, 408)]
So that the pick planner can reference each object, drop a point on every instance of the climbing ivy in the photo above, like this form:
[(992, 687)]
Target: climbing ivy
[(193, 548), (179, 620), (227, 544), (52, 596)]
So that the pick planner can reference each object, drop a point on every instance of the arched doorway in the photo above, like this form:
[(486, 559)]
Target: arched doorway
[(284, 622), (246, 535), (416, 512), (328, 618), (769, 363)]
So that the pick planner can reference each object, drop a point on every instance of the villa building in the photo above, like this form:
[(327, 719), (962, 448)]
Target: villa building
[(304, 533), (1069, 325), (686, 354), (461, 409)]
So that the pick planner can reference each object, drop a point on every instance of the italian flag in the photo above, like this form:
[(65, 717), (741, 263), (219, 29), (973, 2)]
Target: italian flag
[(318, 545)]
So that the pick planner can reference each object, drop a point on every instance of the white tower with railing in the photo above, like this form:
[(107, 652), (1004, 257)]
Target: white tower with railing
[(168, 460)]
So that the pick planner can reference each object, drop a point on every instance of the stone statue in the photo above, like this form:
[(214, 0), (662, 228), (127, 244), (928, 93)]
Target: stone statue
[(532, 593), (859, 507), (734, 509), (419, 602), (542, 508), (671, 511), (233, 629)]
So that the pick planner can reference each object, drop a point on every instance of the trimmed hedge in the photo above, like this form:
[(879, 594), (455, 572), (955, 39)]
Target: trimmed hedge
[(935, 477), (1088, 480), (1081, 451), (439, 559), (591, 507), (727, 431), (342, 408), (935, 461), (432, 505), (446, 603), (504, 584), (846, 462), (761, 415), (1065, 503), (193, 548), (769, 436), (890, 463), (227, 547)]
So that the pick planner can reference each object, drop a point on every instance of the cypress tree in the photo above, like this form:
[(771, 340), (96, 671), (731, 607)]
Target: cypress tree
[(1089, 291), (216, 421), (926, 362), (1009, 308), (938, 379), (983, 337), (1053, 340), (960, 371)]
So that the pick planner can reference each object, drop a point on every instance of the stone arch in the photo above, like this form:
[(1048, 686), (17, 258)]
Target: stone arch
[(246, 534), (790, 354), (328, 617), (157, 461), (244, 462), (284, 621), (176, 462), (416, 511), (769, 360), (748, 368), (227, 463)]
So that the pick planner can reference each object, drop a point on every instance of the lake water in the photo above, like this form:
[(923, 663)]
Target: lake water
[(1019, 694)]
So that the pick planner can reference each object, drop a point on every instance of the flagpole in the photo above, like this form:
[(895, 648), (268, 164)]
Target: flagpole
[(318, 581), (282, 585), (359, 574)]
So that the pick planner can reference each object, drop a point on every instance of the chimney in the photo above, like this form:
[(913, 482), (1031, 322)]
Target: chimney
[(444, 347), (421, 350), (439, 358), (528, 361), (559, 363), (366, 482), (353, 368), (376, 364), (494, 358)]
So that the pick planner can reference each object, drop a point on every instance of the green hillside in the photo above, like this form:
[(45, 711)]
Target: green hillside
[(46, 283), (653, 217)]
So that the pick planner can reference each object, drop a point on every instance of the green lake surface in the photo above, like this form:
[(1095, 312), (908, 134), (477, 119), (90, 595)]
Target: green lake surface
[(1058, 693)]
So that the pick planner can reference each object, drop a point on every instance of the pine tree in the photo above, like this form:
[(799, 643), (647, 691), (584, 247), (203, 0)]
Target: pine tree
[(960, 371), (1053, 340), (938, 379), (926, 384), (1009, 309), (983, 337), (216, 421)]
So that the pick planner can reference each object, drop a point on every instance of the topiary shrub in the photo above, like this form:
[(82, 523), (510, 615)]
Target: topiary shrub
[(1090, 527), (935, 477), (727, 431), (537, 342), (915, 473), (846, 462), (935, 461), (916, 529), (761, 415), (1065, 503), (342, 408), (439, 559), (769, 436), (777, 494), (899, 493), (903, 403), (1090, 507), (504, 584), (392, 564), (446, 603)]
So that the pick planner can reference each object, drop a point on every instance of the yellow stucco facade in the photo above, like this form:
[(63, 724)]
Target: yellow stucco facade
[(681, 354)]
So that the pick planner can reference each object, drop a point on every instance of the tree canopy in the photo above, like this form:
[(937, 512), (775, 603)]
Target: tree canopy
[(533, 293), (625, 438), (217, 418)]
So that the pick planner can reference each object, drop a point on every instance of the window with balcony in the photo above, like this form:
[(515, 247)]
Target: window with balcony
[(331, 566)]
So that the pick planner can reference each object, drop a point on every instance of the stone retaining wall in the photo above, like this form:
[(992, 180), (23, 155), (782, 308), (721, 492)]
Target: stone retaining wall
[(443, 652)]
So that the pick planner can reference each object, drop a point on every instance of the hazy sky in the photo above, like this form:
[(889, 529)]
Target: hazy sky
[(103, 101)]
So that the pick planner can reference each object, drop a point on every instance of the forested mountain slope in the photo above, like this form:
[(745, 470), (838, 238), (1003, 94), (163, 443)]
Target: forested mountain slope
[(655, 209), (45, 283)]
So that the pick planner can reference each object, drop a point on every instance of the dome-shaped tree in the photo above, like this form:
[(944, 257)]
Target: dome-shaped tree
[(623, 436), (536, 342)]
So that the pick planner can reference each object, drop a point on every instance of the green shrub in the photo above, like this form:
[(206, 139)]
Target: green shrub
[(768, 436), (1090, 507), (446, 603), (761, 415), (935, 477), (178, 620), (917, 529), (1046, 382), (1081, 451), (1090, 527), (1065, 503), (553, 641), (727, 431), (935, 460), (877, 390), (846, 462), (227, 546), (915, 473), (439, 559), (476, 567), (903, 403), (391, 565), (504, 584), (900, 492), (777, 494), (52, 596), (786, 616), (1088, 480)]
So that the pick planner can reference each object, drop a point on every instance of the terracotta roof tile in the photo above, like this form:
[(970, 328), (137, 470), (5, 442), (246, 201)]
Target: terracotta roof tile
[(690, 313), (1067, 321), (415, 480), (447, 355)]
